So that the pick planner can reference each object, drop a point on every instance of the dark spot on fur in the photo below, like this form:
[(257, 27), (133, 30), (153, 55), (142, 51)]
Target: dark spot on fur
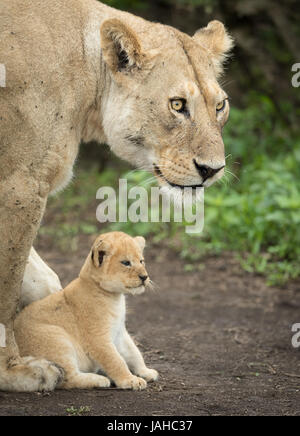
[(137, 140)]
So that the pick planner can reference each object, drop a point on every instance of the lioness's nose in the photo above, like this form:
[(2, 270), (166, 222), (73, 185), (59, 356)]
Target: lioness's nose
[(205, 171)]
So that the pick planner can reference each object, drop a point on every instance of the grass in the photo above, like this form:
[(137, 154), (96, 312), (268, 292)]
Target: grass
[(81, 411)]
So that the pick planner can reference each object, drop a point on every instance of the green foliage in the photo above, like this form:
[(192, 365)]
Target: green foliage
[(81, 411), (254, 214), (258, 215)]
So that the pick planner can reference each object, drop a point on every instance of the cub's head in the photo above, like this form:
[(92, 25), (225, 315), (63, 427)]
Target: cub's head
[(164, 109), (116, 263)]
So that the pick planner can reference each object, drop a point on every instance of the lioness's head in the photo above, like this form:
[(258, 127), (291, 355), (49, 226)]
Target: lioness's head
[(116, 263), (165, 109)]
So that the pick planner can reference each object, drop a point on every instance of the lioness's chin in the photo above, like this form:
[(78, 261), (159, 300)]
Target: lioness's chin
[(179, 196)]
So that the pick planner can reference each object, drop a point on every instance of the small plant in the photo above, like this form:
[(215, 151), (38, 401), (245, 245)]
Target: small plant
[(73, 411)]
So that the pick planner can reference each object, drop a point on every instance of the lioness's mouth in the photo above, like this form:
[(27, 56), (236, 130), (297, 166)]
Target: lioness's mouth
[(159, 174)]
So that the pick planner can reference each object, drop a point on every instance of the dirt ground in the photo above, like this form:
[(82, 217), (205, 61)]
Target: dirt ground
[(220, 338)]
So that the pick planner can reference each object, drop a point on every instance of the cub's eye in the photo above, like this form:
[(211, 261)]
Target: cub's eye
[(221, 106), (178, 105), (126, 263), (142, 261)]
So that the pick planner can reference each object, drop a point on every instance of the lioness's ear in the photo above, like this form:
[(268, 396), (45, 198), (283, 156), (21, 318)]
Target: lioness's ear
[(141, 242), (120, 46), (215, 38)]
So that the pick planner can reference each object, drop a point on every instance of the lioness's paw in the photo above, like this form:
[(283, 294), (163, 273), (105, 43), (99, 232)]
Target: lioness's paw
[(149, 375), (34, 375), (134, 383)]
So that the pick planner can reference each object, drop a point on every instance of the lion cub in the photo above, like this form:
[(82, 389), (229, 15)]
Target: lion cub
[(82, 328)]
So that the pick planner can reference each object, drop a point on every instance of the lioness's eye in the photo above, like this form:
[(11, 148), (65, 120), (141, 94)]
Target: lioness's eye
[(178, 105), (221, 106), (126, 263), (142, 261)]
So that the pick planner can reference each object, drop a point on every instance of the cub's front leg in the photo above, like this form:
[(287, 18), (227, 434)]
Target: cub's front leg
[(115, 367), (135, 360)]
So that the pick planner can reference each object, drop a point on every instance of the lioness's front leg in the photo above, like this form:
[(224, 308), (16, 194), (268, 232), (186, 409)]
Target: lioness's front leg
[(22, 203), (39, 280), (115, 367), (135, 360)]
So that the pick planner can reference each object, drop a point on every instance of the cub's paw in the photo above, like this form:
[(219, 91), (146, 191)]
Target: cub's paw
[(134, 383), (33, 375), (104, 382), (149, 375)]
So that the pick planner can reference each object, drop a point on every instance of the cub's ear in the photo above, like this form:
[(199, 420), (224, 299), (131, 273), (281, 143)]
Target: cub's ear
[(98, 257), (216, 39), (120, 45), (141, 242), (99, 251)]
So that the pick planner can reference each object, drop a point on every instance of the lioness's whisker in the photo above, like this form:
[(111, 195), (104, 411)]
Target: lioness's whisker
[(232, 174), (149, 181)]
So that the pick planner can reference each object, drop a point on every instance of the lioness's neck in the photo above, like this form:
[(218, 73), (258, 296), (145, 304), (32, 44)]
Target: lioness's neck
[(99, 74), (96, 14)]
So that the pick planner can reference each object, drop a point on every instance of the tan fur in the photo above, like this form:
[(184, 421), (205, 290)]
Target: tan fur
[(76, 71), (82, 328)]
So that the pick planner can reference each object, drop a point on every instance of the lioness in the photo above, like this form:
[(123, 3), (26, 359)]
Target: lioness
[(83, 327), (77, 71)]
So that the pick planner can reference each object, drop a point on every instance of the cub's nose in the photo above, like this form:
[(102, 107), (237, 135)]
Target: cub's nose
[(205, 171), (143, 278)]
